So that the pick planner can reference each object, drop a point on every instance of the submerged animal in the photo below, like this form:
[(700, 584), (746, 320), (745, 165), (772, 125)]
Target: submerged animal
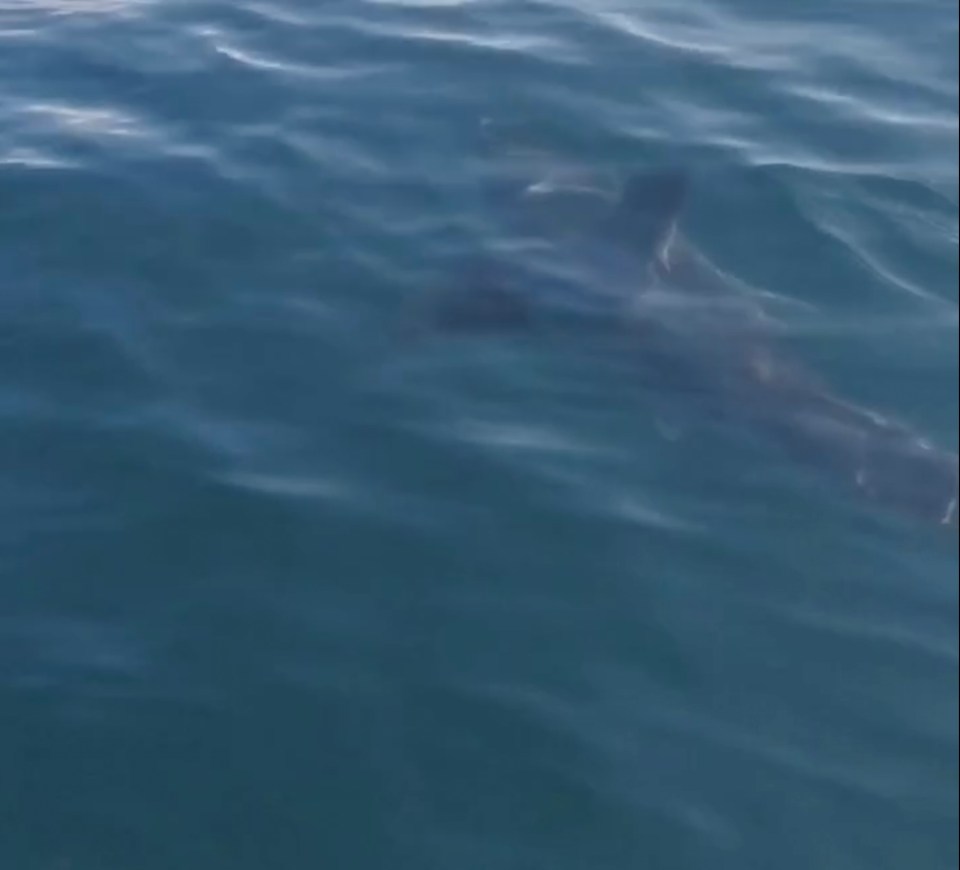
[(626, 267)]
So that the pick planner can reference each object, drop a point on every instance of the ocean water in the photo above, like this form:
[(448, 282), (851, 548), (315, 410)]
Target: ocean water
[(279, 590)]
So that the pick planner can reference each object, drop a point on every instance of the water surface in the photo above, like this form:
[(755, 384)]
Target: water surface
[(279, 592)]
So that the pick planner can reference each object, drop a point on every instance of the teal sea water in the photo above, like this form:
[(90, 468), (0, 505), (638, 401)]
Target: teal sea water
[(280, 590)]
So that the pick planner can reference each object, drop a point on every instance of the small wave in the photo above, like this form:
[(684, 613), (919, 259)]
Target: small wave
[(35, 158), (75, 8), (872, 112), (71, 118), (295, 487), (521, 437), (898, 636)]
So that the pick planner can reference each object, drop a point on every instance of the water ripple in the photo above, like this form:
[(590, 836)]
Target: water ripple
[(460, 603)]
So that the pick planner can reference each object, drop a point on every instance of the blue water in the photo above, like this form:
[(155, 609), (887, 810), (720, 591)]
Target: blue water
[(281, 591)]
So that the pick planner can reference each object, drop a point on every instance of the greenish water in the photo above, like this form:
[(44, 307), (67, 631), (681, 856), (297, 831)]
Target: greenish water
[(280, 591)]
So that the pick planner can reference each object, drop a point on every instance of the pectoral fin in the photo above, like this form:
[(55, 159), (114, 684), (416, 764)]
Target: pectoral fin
[(480, 310), (484, 303)]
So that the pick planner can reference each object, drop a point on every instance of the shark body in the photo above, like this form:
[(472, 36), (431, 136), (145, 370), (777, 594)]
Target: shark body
[(629, 269)]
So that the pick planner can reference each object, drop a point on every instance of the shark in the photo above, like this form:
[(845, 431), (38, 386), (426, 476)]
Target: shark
[(616, 259)]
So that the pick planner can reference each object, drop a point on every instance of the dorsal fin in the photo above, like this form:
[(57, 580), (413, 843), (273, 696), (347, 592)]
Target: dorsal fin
[(646, 214)]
